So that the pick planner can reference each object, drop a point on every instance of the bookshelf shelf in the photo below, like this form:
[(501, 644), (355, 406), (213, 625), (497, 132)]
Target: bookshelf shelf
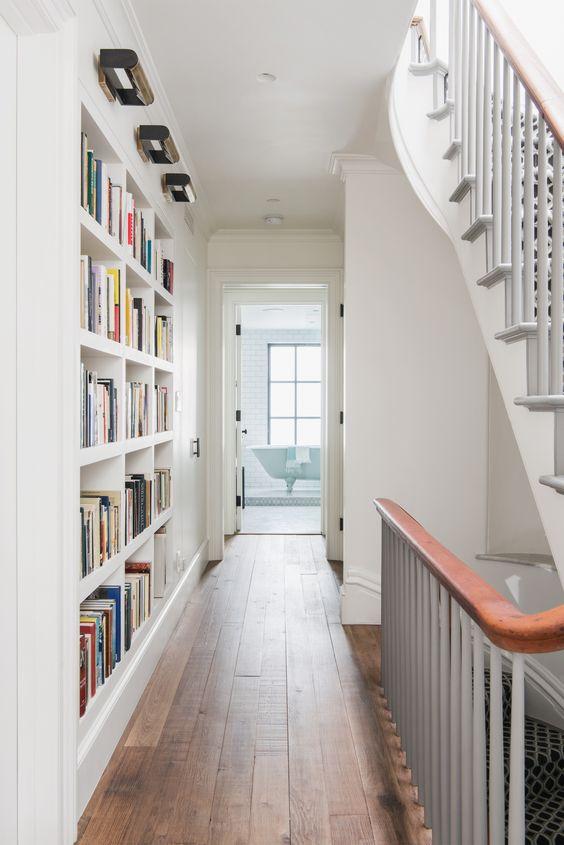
[(143, 313)]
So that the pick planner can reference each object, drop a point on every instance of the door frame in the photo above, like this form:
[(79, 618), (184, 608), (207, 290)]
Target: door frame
[(284, 284)]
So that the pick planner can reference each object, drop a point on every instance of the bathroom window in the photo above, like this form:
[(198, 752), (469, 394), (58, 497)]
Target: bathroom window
[(294, 394)]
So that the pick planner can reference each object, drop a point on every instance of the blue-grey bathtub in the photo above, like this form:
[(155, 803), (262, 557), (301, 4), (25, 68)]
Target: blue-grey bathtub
[(274, 459)]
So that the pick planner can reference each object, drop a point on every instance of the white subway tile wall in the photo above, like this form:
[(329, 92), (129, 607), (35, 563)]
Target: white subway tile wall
[(254, 402)]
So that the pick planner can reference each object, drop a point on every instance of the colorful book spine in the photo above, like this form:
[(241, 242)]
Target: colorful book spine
[(99, 412), (137, 412), (162, 418)]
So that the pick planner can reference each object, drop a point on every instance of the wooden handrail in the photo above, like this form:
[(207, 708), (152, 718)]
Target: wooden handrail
[(417, 22), (543, 89), (503, 623)]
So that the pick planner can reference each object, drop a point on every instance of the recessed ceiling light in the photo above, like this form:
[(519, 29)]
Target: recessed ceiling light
[(273, 219), (266, 77)]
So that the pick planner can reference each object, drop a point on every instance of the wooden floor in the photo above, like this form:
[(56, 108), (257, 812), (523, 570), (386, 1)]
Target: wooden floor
[(263, 722)]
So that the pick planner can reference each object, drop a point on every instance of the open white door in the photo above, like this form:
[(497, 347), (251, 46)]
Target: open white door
[(238, 424)]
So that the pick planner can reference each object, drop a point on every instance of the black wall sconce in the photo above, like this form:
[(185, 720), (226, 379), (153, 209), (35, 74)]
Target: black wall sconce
[(154, 143), (109, 63), (177, 187)]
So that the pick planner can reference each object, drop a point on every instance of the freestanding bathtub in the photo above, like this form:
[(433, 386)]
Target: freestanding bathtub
[(274, 458)]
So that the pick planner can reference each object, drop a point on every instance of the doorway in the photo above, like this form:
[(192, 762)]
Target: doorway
[(281, 399)]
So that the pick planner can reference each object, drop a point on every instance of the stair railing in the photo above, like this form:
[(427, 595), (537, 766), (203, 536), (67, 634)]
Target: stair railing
[(445, 634), (507, 130)]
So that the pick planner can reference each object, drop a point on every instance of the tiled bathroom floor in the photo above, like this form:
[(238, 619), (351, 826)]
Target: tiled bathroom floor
[(281, 520)]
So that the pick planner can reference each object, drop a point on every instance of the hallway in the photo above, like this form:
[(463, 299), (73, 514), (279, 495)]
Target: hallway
[(263, 721)]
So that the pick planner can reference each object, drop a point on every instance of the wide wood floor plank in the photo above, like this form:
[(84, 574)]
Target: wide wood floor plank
[(351, 830)]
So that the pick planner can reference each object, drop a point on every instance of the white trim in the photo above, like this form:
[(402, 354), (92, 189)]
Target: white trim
[(36, 17), (218, 281), (285, 236), (360, 599), (356, 164), (97, 746)]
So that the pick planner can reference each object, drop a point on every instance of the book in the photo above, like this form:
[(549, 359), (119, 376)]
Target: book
[(100, 196), (99, 412), (137, 409), (163, 490), (160, 564), (138, 505), (138, 575), (100, 639), (163, 343), (99, 298), (100, 528), (162, 417), (83, 675), (162, 266), (138, 323)]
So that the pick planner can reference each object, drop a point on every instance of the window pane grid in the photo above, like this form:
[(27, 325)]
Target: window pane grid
[(301, 355)]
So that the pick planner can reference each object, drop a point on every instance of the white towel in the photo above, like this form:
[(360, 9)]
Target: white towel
[(302, 455)]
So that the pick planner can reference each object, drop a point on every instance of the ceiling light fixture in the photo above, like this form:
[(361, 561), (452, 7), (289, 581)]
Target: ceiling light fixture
[(273, 219), (266, 77), (273, 199)]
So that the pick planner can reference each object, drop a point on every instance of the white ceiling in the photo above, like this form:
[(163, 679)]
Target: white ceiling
[(250, 140), (268, 316)]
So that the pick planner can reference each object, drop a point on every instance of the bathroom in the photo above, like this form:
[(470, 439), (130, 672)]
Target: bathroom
[(281, 416)]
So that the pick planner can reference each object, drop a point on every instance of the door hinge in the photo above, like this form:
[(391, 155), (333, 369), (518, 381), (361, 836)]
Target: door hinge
[(237, 416), (238, 329), (342, 309), (341, 417), (340, 523), (237, 501)]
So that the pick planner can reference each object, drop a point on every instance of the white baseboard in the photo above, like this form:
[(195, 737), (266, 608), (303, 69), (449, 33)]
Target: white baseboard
[(99, 743), (360, 599)]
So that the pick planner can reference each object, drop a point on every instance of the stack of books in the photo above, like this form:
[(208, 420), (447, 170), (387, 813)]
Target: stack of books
[(99, 412), (163, 490), (164, 267), (137, 597), (99, 528), (161, 408), (163, 337), (102, 198), (138, 243), (100, 640), (138, 504), (138, 323), (99, 298), (137, 413)]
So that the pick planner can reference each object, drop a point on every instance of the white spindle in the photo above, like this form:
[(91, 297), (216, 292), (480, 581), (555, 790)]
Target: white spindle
[(384, 596), (455, 712), (557, 293), (428, 804), (517, 754), (394, 627), (479, 114), (516, 175), (451, 82), (402, 686), (435, 710), (422, 785), (465, 761), (413, 667), (496, 774), (444, 671), (457, 87), (472, 89), (506, 166), (464, 85), (433, 29), (487, 126), (479, 743), (528, 217), (542, 264), (496, 156)]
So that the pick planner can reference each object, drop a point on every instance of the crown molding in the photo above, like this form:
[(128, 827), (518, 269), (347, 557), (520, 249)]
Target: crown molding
[(285, 236), (200, 210), (36, 17), (357, 164)]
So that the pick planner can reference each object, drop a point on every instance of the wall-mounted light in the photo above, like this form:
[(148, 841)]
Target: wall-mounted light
[(154, 143), (116, 68), (177, 187)]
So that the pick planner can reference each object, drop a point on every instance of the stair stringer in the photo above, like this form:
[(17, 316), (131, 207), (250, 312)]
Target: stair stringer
[(420, 144)]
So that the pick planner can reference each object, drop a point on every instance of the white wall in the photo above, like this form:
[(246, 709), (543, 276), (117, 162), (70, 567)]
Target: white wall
[(514, 523), (267, 249), (416, 383)]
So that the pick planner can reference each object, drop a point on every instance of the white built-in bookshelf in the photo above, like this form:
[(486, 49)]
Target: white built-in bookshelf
[(104, 466)]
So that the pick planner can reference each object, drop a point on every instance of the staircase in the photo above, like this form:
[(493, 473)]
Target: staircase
[(478, 125)]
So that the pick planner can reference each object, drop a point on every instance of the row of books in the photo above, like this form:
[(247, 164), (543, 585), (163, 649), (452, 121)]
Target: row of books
[(164, 268), (101, 196), (163, 337), (137, 597), (99, 409), (99, 528), (163, 490), (137, 410), (162, 417), (138, 504), (138, 323), (99, 298), (100, 640)]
